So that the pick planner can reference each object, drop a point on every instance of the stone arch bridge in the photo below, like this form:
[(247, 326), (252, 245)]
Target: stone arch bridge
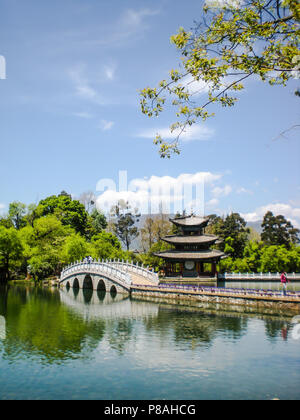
[(111, 276)]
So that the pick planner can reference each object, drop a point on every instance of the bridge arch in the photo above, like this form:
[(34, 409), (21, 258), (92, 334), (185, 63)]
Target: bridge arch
[(87, 295), (101, 286), (113, 291), (88, 282), (76, 283)]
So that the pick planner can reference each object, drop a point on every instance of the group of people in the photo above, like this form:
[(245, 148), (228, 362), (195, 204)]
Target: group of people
[(88, 260)]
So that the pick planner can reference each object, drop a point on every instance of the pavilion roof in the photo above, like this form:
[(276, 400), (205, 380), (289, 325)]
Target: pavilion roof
[(190, 221), (190, 239), (191, 255)]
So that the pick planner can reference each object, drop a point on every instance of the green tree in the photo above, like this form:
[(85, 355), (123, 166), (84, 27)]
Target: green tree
[(278, 231), (17, 213), (105, 245), (124, 224), (98, 221), (233, 227), (43, 245), (69, 212), (33, 213), (149, 259), (6, 222), (154, 229), (234, 41), (75, 248), (252, 255), (275, 259), (10, 252)]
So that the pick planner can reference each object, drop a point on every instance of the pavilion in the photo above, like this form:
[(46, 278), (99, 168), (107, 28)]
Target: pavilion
[(191, 249)]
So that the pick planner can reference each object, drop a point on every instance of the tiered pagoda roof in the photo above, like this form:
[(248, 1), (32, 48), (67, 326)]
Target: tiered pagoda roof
[(205, 255), (190, 221), (193, 239), (192, 245)]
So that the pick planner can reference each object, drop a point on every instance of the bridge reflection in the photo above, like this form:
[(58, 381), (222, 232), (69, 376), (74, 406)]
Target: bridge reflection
[(98, 304)]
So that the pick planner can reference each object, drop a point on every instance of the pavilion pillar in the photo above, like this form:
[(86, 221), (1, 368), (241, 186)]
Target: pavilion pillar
[(181, 269), (214, 268), (201, 268)]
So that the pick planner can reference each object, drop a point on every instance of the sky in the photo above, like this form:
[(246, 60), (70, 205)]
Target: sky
[(70, 117)]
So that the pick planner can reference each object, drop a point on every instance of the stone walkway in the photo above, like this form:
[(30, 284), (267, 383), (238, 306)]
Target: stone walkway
[(139, 280)]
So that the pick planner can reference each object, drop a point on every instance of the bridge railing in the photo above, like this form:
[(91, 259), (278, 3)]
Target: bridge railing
[(99, 267), (258, 276), (123, 269), (138, 269)]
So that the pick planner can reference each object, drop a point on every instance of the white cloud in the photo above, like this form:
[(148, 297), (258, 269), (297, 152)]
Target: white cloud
[(166, 193), (106, 125), (125, 29), (83, 86), (221, 191), (2, 207), (85, 115), (135, 18), (212, 203), (110, 72), (243, 190), (219, 4), (289, 212), (195, 87), (195, 132)]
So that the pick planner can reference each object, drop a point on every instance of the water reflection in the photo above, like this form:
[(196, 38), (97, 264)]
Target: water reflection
[(2, 328), (277, 329), (293, 286), (95, 345), (59, 325), (37, 325)]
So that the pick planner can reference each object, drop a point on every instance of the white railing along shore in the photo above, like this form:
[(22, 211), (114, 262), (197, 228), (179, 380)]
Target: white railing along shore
[(258, 276)]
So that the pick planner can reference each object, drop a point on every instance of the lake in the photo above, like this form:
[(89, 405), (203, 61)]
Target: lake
[(58, 344)]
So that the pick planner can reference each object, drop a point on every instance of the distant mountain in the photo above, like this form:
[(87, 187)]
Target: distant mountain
[(256, 226), (136, 244)]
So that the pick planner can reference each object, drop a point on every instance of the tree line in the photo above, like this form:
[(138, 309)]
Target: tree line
[(36, 241)]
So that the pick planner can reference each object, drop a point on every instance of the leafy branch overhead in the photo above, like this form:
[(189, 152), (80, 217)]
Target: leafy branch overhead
[(234, 41)]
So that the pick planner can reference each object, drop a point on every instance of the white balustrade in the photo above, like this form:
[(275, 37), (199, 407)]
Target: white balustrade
[(108, 268)]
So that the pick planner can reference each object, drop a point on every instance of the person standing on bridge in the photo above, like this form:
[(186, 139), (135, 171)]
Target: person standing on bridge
[(284, 281)]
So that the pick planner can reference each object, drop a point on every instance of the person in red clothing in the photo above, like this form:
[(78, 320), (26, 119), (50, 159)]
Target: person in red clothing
[(284, 281)]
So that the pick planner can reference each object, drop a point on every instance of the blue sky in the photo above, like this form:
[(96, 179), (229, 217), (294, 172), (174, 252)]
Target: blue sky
[(70, 112)]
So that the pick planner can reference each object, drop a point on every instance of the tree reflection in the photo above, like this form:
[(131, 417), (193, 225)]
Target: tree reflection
[(198, 327), (277, 328), (119, 333), (38, 325)]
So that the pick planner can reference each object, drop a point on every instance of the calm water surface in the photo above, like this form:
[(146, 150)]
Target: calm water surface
[(85, 345)]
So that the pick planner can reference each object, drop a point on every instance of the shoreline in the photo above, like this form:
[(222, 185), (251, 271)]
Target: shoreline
[(172, 294)]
